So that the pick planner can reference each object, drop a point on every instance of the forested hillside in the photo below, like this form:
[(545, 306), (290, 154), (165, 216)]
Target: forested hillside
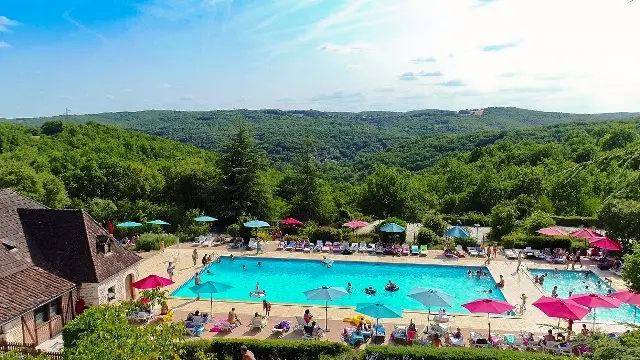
[(117, 175), (339, 136)]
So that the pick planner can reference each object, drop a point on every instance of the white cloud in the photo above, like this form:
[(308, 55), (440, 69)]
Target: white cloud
[(109, 97), (354, 66), (6, 23), (422, 60), (4, 45), (187, 97), (345, 49), (165, 86)]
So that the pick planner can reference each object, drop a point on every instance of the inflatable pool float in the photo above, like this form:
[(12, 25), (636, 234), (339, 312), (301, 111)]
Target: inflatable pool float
[(258, 294), (370, 291), (355, 320), (392, 288)]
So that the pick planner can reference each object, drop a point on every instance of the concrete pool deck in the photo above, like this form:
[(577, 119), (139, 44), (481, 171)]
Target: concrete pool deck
[(516, 283)]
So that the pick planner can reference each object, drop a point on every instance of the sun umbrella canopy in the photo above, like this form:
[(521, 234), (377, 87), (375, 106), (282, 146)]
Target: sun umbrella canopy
[(210, 287), (488, 306), (627, 297), (605, 243), (457, 232), (392, 228), (561, 308), (205, 219), (157, 222), (326, 293), (585, 233), (152, 282), (594, 301), (256, 224), (291, 221), (552, 231), (128, 224), (378, 311), (431, 297), (355, 224)]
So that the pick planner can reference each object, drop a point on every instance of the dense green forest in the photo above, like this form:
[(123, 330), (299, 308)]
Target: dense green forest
[(580, 169), (341, 136)]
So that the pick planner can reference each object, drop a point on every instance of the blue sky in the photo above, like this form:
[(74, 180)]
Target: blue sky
[(343, 55)]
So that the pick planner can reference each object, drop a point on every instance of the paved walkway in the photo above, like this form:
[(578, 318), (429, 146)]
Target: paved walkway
[(516, 283)]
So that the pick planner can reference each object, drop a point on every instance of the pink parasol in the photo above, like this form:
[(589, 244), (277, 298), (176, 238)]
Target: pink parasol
[(152, 282), (144, 300), (552, 231), (291, 221), (561, 308), (604, 242), (488, 306), (628, 297), (355, 224), (595, 301), (585, 233)]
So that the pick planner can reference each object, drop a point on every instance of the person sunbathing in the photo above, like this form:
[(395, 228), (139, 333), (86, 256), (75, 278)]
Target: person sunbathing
[(457, 334), (309, 329), (500, 284), (549, 336), (307, 316), (233, 317)]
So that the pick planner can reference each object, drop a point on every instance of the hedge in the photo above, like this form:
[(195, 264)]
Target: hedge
[(541, 242), (148, 242), (575, 221), (452, 353), (262, 349), (325, 233)]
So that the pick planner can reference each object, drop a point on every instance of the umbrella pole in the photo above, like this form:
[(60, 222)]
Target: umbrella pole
[(429, 318), (489, 320), (326, 316), (635, 312), (593, 327), (211, 295)]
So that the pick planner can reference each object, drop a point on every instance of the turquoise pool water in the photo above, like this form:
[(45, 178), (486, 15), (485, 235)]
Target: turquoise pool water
[(577, 282), (286, 279)]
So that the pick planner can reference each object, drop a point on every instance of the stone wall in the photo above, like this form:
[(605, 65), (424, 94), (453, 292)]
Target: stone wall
[(12, 331), (96, 294)]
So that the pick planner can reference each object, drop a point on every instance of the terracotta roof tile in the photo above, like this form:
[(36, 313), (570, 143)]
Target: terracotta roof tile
[(27, 289)]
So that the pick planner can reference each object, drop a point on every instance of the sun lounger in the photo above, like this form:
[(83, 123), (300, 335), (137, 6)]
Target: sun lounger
[(336, 248), (258, 323), (356, 338), (307, 247), (317, 334), (318, 246), (510, 254), (225, 326), (281, 245), (198, 241), (300, 246), (344, 245), (415, 250), (290, 246), (423, 250), (371, 248), (195, 330), (142, 317), (456, 341), (477, 340), (353, 247), (481, 252), (166, 317), (300, 323), (399, 334), (405, 250), (252, 245), (472, 251), (550, 346), (380, 250), (363, 247), (208, 241), (379, 334), (327, 246), (281, 328)]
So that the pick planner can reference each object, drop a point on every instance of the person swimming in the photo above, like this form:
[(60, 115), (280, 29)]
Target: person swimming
[(487, 291), (370, 290), (231, 257), (469, 273), (244, 267), (349, 288), (259, 263), (209, 272)]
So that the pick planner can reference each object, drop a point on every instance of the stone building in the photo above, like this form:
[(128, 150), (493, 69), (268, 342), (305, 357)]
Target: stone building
[(48, 258)]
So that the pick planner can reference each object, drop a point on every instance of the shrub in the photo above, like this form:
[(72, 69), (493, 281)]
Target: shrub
[(433, 353), (289, 238), (466, 242), (233, 230), (391, 237), (148, 242), (325, 233), (575, 221), (263, 349), (435, 222), (427, 237), (536, 221), (519, 240)]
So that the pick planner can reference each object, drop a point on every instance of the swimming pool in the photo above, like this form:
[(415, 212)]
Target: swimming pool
[(577, 282), (286, 279)]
